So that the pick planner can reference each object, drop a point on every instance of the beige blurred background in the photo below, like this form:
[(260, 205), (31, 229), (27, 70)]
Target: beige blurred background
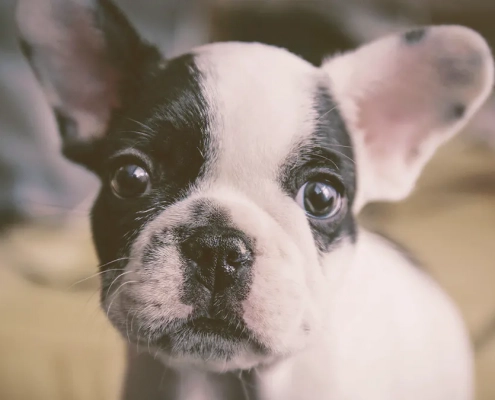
[(55, 342)]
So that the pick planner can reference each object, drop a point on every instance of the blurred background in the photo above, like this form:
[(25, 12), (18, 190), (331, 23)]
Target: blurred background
[(55, 343)]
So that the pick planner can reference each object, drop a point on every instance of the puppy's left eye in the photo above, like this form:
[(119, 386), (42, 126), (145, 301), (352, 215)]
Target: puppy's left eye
[(130, 181), (320, 199)]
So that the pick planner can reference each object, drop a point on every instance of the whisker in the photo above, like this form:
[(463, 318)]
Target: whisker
[(115, 280), (147, 210), (326, 113), (111, 262), (134, 143), (127, 325), (91, 276), (345, 156), (337, 152), (101, 272), (135, 311), (145, 134), (148, 128), (342, 145), (245, 390), (326, 159), (115, 295)]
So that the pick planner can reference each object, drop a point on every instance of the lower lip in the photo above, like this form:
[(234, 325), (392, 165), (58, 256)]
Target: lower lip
[(216, 327)]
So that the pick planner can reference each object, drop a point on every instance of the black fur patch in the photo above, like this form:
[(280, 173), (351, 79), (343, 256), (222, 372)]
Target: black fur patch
[(457, 111), (329, 152), (414, 36), (126, 53), (164, 129), (225, 304)]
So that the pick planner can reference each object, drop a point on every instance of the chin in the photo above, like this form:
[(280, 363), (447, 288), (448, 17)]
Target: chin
[(208, 344)]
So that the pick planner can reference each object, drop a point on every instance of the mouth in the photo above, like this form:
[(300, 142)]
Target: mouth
[(215, 344), (205, 337), (217, 327)]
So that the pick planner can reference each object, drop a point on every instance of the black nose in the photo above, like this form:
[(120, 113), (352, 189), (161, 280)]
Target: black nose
[(219, 256)]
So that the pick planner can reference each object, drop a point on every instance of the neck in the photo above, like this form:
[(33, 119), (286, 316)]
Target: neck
[(151, 379)]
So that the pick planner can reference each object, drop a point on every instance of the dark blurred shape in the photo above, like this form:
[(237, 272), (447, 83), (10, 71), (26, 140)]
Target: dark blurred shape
[(302, 30)]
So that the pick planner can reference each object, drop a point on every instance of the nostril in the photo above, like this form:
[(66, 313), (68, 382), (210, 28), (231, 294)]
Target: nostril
[(233, 257), (237, 258), (206, 256), (196, 252)]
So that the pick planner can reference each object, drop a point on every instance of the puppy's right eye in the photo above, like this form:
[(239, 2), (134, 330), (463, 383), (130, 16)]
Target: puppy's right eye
[(130, 181)]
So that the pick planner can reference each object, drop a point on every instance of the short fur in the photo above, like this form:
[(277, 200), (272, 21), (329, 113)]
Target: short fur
[(216, 269)]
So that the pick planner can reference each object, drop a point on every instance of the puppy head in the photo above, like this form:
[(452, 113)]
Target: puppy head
[(231, 175)]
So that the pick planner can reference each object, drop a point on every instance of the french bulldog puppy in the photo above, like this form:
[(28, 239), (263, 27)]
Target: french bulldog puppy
[(231, 178)]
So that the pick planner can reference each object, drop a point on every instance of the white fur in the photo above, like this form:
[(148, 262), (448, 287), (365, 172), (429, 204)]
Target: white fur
[(356, 323), (392, 335), (259, 113), (254, 141)]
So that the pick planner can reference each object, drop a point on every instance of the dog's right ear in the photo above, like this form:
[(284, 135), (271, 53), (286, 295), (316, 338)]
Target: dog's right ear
[(89, 61)]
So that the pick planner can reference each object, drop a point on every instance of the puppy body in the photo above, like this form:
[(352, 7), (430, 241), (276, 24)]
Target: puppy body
[(231, 180), (383, 317)]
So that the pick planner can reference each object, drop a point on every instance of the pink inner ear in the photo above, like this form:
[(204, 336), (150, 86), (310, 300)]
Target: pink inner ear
[(399, 112), (70, 56), (403, 99), (94, 88)]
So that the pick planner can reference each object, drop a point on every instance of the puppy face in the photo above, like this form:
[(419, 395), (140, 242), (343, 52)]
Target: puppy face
[(210, 194), (231, 175)]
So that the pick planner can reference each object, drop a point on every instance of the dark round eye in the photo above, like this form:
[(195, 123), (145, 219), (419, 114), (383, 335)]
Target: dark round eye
[(130, 181), (320, 199)]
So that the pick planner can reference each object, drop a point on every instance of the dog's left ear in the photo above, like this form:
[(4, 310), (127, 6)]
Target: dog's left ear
[(89, 61), (404, 95)]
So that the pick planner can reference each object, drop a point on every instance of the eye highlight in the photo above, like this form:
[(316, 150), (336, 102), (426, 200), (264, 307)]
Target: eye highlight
[(130, 181), (320, 199)]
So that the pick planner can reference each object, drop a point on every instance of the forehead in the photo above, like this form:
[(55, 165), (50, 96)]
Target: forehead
[(262, 101), (234, 110)]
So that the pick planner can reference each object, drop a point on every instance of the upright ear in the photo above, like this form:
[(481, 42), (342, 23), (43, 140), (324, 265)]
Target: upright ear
[(404, 95), (89, 61)]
